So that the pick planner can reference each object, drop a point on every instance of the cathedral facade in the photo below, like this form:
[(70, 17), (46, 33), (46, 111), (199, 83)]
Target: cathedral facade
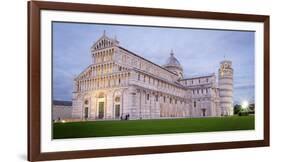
[(120, 82)]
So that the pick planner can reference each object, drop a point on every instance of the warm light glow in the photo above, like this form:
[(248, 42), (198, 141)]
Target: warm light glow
[(63, 121), (245, 104)]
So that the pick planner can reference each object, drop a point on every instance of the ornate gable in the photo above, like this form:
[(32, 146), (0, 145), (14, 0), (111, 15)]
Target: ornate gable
[(104, 42)]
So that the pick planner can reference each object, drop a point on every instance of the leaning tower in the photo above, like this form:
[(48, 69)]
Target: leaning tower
[(226, 87)]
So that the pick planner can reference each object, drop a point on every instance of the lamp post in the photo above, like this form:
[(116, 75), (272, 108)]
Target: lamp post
[(244, 106)]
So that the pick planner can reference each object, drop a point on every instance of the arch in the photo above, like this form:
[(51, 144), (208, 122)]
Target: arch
[(86, 106), (101, 105), (117, 107), (117, 103)]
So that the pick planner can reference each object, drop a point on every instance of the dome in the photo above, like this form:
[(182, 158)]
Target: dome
[(172, 62)]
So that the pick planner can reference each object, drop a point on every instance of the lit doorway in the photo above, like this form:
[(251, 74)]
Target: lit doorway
[(101, 102), (203, 112), (117, 111), (101, 110), (86, 113)]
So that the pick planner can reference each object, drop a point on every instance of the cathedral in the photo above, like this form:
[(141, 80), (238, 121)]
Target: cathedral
[(122, 83)]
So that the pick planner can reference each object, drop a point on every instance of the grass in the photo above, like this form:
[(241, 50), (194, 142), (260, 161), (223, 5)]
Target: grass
[(145, 127)]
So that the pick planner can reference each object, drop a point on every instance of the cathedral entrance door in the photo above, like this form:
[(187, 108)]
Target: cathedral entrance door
[(101, 110), (117, 111), (203, 112), (86, 113)]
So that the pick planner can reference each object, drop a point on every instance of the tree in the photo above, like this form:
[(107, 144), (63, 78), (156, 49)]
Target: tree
[(237, 109)]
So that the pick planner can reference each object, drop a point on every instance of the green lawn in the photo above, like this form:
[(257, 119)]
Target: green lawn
[(145, 127)]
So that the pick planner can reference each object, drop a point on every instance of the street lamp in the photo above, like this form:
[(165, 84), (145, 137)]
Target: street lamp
[(245, 105), (244, 108)]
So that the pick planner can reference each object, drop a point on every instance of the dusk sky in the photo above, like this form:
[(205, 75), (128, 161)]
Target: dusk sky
[(199, 51)]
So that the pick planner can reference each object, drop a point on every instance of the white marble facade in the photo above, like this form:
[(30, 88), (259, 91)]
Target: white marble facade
[(120, 82)]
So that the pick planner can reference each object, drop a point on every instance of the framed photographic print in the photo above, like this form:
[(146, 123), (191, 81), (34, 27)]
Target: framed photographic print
[(115, 80)]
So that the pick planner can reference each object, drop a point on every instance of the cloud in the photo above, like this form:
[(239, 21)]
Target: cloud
[(198, 50)]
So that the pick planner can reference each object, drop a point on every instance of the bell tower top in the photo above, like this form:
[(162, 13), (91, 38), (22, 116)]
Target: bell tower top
[(225, 68)]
